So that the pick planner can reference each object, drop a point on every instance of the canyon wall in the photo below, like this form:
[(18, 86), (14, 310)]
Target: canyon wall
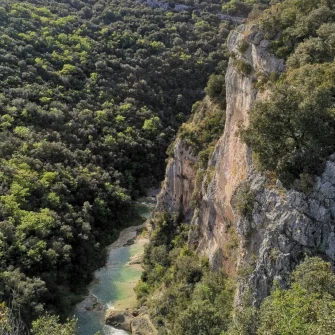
[(283, 225)]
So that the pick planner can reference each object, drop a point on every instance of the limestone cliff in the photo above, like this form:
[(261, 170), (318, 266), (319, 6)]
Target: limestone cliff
[(178, 186), (283, 224)]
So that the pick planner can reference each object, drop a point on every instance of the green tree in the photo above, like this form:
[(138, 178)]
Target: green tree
[(200, 318), (49, 324), (293, 131), (306, 307)]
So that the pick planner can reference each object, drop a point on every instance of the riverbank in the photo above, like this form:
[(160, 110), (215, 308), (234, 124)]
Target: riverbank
[(113, 284), (127, 298)]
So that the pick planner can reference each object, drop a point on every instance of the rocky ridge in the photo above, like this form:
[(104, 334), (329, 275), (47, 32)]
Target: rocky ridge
[(283, 225)]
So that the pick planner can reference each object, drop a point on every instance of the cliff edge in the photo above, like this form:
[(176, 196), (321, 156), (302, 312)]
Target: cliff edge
[(282, 225)]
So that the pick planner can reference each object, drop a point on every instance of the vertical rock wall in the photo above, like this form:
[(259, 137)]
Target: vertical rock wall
[(284, 225), (178, 185), (232, 159)]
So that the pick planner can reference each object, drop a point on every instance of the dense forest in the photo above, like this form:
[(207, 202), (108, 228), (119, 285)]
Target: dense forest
[(91, 94), (292, 134), (197, 300)]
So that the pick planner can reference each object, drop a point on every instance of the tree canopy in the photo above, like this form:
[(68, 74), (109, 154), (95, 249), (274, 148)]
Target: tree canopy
[(91, 93), (292, 132)]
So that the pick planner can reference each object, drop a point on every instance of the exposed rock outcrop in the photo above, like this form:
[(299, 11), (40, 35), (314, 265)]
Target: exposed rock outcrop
[(283, 227), (178, 186), (232, 159), (142, 325), (92, 303), (119, 319), (134, 321), (284, 224)]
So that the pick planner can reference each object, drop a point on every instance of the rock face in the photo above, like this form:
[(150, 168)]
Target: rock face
[(119, 319), (232, 159), (133, 321), (92, 303), (178, 186), (284, 225)]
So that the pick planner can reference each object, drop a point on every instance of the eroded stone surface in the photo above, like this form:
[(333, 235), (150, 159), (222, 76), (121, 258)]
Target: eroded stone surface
[(119, 319), (178, 186), (142, 325), (135, 321), (285, 224)]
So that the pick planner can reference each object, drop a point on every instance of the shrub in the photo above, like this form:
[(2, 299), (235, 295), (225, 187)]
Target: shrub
[(307, 307), (293, 131), (142, 290), (242, 67), (50, 325), (245, 200), (216, 86), (243, 46), (10, 322)]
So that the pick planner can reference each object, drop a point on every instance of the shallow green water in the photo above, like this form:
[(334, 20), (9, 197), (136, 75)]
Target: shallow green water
[(110, 284)]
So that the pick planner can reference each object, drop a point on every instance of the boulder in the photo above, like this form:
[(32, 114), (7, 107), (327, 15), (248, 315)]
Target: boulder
[(119, 319), (136, 259)]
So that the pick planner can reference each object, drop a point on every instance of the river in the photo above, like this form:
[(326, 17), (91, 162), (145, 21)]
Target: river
[(113, 285)]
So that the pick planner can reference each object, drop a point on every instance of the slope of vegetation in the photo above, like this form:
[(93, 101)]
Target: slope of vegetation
[(183, 295), (194, 300), (307, 307), (91, 93), (293, 132), (250, 8)]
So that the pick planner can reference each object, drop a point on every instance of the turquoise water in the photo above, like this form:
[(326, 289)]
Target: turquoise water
[(110, 283)]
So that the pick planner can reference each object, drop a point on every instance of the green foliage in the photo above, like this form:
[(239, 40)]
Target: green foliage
[(244, 7), (315, 276), (295, 25), (91, 94), (305, 308), (243, 46), (199, 318), (10, 322), (192, 299), (242, 67), (244, 200), (204, 128), (246, 322), (297, 311), (49, 324), (293, 131), (216, 89)]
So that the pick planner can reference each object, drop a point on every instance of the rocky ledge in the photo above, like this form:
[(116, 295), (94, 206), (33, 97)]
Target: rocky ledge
[(135, 321)]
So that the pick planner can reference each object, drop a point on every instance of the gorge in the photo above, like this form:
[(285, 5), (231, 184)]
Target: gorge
[(245, 219), (241, 240)]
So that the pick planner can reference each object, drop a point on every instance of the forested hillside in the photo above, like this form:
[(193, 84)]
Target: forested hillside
[(91, 94), (265, 229)]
